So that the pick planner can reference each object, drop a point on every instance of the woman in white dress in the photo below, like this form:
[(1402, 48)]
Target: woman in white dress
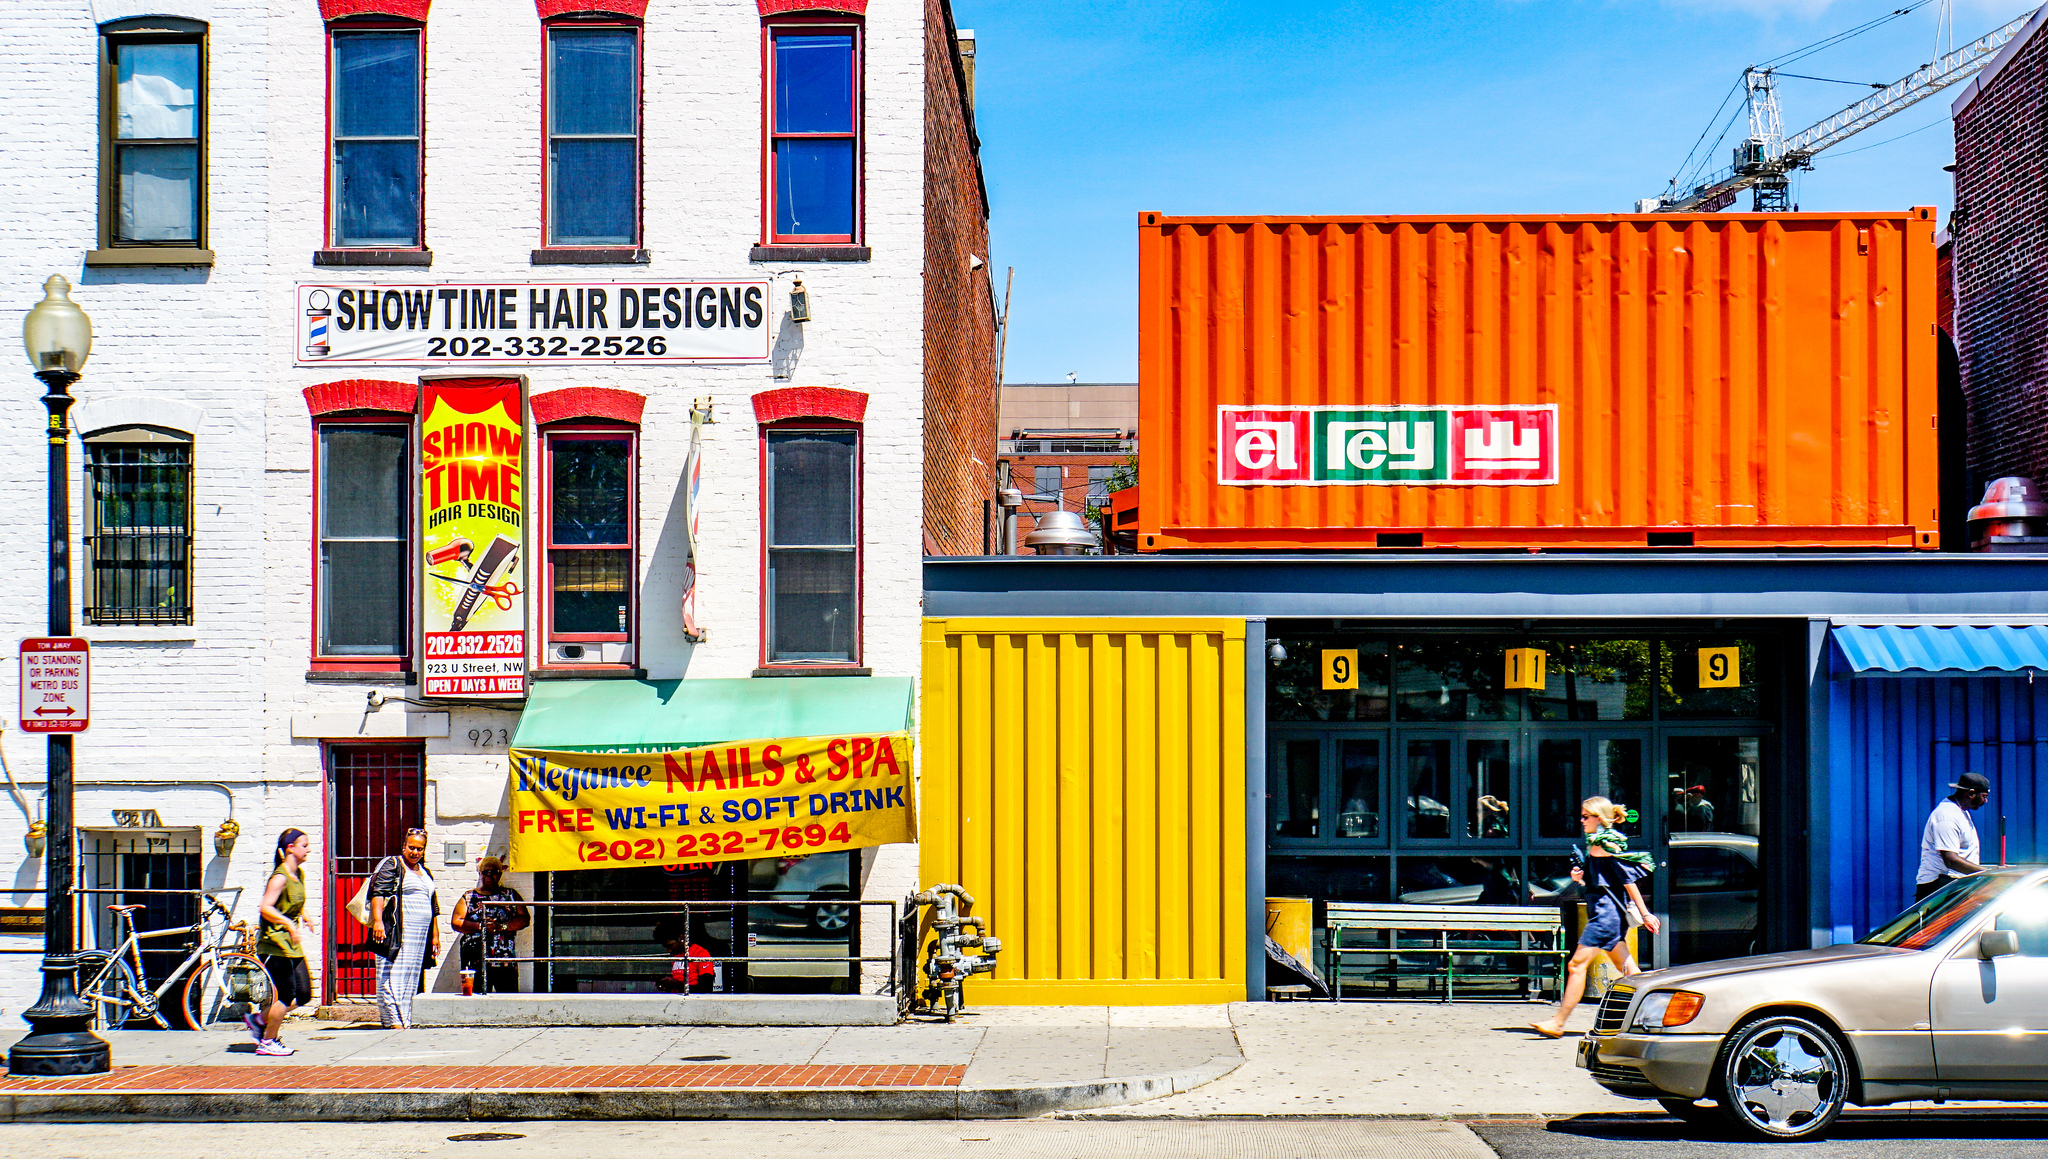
[(405, 930)]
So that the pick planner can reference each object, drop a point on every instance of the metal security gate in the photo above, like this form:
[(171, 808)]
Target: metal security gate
[(374, 794)]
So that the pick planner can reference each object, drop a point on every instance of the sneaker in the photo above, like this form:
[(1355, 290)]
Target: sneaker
[(274, 1048), (255, 1024)]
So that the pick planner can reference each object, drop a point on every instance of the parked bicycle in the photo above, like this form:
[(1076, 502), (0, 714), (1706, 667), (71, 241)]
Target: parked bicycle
[(219, 981)]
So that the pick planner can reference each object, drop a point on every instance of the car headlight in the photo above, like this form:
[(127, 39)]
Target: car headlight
[(1666, 1008)]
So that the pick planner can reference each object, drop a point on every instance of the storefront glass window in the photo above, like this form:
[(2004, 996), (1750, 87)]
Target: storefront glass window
[(593, 135), (1488, 790), (1453, 679), (1596, 680), (1481, 880), (1358, 788), (1557, 787), (1294, 806), (1713, 785), (809, 917), (1429, 788), (1325, 879), (1690, 669), (1294, 687), (1618, 776)]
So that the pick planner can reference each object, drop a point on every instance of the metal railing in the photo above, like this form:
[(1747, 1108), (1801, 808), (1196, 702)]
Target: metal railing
[(661, 909), (85, 919)]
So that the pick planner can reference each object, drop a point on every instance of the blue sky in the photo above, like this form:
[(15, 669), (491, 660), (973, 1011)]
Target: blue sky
[(1092, 112)]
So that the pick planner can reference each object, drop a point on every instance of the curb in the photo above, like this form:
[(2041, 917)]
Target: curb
[(289, 1106)]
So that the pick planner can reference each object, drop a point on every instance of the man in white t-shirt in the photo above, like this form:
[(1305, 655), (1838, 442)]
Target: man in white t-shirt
[(1948, 845)]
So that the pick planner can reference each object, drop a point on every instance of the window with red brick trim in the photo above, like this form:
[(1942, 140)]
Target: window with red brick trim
[(362, 516), (814, 165), (589, 608), (811, 537)]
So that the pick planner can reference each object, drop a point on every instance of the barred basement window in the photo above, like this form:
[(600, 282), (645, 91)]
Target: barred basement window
[(139, 545)]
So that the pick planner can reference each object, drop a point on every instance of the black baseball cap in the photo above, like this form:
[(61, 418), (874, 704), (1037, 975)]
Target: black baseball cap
[(1972, 783)]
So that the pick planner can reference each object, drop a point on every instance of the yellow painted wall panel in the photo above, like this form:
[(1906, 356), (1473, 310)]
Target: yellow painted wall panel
[(1088, 790)]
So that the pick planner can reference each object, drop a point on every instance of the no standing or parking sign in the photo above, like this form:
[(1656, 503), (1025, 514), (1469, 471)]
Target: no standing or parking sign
[(56, 684)]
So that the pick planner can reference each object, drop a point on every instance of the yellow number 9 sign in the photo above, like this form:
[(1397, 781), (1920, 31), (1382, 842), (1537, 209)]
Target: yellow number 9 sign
[(1720, 668), (1340, 668)]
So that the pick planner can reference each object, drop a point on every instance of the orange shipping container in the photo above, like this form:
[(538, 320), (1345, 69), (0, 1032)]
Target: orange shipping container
[(1729, 380)]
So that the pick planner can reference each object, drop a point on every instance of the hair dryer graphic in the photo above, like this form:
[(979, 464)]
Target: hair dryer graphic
[(497, 557)]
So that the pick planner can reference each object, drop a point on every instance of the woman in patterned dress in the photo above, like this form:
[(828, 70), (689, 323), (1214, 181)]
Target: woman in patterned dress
[(405, 930)]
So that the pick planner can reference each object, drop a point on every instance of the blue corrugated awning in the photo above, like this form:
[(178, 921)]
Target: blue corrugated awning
[(1907, 649)]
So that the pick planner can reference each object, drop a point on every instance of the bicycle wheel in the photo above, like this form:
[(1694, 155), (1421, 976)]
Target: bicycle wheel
[(218, 997), (108, 985)]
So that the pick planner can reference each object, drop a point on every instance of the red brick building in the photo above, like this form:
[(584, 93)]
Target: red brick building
[(1061, 442), (2000, 238), (960, 371)]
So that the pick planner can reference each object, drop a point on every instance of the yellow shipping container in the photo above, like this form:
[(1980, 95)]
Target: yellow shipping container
[(1084, 778)]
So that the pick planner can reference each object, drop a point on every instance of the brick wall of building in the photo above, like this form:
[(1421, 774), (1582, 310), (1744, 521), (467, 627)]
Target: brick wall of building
[(960, 373), (2000, 241)]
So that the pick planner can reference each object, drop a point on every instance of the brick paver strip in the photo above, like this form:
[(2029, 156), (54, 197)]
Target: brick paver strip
[(311, 1077)]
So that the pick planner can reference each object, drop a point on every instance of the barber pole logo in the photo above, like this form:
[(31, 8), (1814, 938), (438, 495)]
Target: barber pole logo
[(317, 316), (1319, 446)]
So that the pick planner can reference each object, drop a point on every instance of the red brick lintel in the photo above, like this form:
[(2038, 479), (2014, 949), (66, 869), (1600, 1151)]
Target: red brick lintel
[(810, 402), (587, 402), (362, 394)]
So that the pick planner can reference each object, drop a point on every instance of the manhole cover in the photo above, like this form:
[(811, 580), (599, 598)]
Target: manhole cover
[(707, 1057), (484, 1137)]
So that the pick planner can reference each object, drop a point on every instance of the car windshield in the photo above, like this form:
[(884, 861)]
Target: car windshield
[(1939, 912)]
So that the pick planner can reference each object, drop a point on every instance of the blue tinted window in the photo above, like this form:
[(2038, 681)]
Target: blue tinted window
[(594, 83), (376, 84), (814, 185), (814, 83), (594, 144), (376, 198)]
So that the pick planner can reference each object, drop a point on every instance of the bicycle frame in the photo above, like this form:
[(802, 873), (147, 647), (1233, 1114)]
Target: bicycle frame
[(214, 929)]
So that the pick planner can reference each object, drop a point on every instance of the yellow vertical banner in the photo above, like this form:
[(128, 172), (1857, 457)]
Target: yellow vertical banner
[(472, 525)]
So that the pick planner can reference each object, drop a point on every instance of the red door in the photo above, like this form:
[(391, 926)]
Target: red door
[(374, 794)]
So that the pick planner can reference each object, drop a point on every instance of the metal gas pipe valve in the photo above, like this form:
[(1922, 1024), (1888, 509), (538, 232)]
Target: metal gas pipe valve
[(947, 964)]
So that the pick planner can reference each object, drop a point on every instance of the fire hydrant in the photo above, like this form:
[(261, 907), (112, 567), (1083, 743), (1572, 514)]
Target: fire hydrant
[(946, 964)]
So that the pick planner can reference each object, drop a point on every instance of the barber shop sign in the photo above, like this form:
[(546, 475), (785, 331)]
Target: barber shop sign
[(1320, 446)]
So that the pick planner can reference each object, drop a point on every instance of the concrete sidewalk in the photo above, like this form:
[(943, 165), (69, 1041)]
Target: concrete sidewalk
[(1391, 1059), (996, 1064)]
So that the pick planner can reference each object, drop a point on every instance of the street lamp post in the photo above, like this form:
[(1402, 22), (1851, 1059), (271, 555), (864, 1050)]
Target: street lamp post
[(60, 1040)]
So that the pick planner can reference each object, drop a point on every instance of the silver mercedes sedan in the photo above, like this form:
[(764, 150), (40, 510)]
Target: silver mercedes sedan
[(1947, 1001)]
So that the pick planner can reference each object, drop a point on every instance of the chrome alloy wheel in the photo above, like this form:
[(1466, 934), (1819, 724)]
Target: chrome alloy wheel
[(1783, 1078)]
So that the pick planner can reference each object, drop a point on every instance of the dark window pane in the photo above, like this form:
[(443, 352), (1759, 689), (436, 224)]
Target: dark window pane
[(1045, 483), (1296, 800), (1294, 687), (376, 84), (1429, 787), (363, 476), (1327, 879), (1098, 486), (1713, 785), (589, 504), (592, 200), (1684, 699), (156, 91), (593, 84), (813, 604), (811, 474), (1596, 680), (1483, 880), (1358, 788), (1557, 788), (590, 591), (814, 83), (1618, 776), (362, 584), (1453, 679), (814, 186), (1488, 790), (159, 192), (377, 193)]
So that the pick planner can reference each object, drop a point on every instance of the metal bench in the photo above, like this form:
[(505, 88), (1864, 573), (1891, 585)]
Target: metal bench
[(1478, 930)]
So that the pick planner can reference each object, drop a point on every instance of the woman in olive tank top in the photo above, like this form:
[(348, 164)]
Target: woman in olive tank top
[(281, 948)]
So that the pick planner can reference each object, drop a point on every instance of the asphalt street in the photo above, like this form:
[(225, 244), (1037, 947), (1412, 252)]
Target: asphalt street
[(1867, 1135)]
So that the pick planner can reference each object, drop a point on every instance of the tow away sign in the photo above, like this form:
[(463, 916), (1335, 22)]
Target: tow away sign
[(56, 684)]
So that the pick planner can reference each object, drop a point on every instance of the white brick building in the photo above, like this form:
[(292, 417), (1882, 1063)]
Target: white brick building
[(696, 141)]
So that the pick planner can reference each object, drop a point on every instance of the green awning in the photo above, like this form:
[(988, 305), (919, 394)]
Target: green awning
[(656, 715)]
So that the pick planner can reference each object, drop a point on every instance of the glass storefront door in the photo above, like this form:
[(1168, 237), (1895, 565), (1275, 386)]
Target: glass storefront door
[(1712, 812)]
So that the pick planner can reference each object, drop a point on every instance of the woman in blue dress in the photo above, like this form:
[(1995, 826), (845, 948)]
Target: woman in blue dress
[(1609, 877)]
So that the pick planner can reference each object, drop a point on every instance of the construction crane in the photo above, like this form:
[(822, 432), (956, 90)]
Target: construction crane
[(1764, 161)]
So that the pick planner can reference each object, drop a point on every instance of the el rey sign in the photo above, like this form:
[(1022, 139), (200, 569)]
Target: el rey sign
[(432, 323), (1323, 446)]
